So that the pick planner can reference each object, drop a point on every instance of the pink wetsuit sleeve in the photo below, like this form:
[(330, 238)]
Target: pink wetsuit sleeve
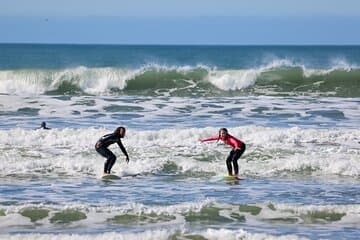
[(210, 139)]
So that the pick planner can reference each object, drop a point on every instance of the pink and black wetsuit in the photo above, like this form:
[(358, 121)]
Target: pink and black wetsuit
[(229, 140), (238, 148)]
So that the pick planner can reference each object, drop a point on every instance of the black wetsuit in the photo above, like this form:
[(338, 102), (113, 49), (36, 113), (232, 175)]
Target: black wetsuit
[(102, 148), (233, 158)]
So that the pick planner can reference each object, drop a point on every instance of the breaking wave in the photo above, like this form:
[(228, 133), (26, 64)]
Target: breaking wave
[(280, 77)]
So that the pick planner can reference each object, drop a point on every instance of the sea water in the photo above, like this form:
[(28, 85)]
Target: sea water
[(297, 108)]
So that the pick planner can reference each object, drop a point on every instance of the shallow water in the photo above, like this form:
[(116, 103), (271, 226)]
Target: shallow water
[(303, 207), (296, 108)]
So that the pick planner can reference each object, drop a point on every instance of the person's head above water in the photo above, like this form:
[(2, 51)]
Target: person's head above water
[(43, 126), (120, 131)]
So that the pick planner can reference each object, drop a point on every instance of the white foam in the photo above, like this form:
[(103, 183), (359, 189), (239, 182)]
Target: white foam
[(233, 79), (100, 213), (90, 80), (149, 234), (134, 208), (304, 209), (12, 220), (211, 234), (269, 151), (242, 234), (351, 211), (238, 79), (22, 82)]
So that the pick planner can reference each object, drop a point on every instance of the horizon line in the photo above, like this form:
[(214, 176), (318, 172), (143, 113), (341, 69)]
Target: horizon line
[(187, 44)]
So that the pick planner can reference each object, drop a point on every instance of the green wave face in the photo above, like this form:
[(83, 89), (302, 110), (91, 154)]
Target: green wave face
[(178, 81), (293, 81)]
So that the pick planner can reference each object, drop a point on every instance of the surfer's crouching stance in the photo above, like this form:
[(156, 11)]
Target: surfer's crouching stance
[(238, 148), (103, 143)]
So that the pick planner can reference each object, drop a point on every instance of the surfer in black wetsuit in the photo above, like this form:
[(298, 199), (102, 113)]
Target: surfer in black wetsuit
[(103, 143)]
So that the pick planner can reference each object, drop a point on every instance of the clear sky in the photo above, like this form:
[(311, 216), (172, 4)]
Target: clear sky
[(181, 21)]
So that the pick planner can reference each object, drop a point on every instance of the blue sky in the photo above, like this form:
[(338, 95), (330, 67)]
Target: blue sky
[(181, 22)]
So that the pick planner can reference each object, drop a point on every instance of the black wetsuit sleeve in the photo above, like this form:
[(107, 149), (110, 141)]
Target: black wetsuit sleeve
[(122, 148)]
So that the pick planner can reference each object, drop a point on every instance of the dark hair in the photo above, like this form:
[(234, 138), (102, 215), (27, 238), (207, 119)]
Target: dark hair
[(117, 130), (222, 129)]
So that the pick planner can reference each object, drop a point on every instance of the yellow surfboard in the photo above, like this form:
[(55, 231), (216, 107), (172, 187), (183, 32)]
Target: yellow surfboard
[(233, 178), (110, 177)]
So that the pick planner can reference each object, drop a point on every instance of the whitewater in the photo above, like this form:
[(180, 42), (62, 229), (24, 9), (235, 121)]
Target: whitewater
[(297, 108)]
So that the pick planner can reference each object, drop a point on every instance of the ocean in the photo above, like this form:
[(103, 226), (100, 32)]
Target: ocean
[(297, 108)]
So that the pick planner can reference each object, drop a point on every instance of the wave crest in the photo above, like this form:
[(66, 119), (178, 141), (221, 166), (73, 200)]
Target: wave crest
[(278, 77)]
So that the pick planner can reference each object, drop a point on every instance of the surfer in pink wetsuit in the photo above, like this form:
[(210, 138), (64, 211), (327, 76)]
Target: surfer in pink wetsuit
[(238, 148)]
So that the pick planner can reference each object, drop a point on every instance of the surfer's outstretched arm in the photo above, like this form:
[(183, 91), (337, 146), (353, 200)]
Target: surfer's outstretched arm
[(213, 138)]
